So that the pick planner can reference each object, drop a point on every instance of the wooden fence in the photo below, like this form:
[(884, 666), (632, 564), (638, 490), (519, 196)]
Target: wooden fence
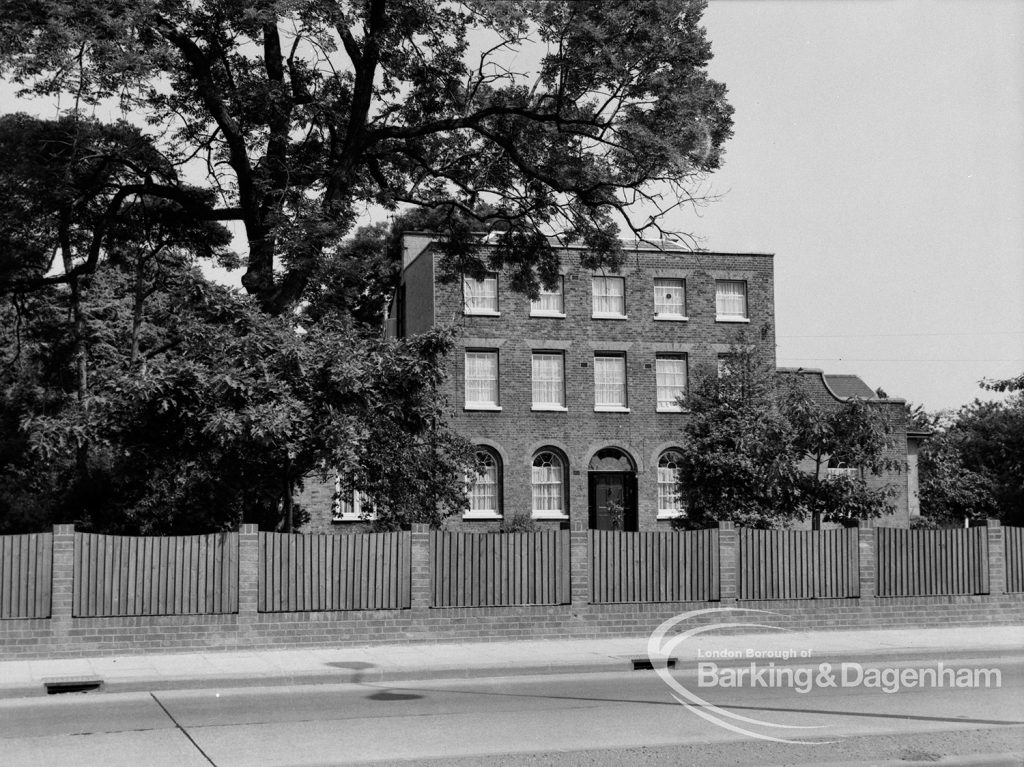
[(486, 569), (26, 564), (798, 564), (653, 567), (931, 562), (370, 571), (182, 575), (1013, 538)]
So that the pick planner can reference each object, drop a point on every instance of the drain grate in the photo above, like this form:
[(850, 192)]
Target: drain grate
[(64, 686), (645, 664)]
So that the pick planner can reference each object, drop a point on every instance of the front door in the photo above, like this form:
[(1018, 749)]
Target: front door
[(613, 501)]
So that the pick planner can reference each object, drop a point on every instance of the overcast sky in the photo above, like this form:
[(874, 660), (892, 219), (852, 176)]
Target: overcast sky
[(879, 153)]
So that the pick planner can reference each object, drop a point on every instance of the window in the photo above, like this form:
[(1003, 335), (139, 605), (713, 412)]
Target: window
[(485, 487), (550, 303), (730, 300), (670, 501), (610, 382), (670, 299), (671, 378), (548, 480), (480, 296), (482, 380), (350, 505), (725, 363), (548, 381), (837, 468), (609, 296)]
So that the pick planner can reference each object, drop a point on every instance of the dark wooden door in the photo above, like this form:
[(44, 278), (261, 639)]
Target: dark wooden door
[(613, 501)]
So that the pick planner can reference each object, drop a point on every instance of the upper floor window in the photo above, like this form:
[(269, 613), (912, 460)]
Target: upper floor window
[(610, 382), (671, 380), (480, 296), (670, 299), (548, 381), (550, 303), (670, 502), (485, 486), (482, 380), (731, 300), (609, 296), (548, 480)]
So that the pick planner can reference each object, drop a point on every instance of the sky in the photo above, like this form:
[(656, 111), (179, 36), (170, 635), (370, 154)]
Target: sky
[(879, 154)]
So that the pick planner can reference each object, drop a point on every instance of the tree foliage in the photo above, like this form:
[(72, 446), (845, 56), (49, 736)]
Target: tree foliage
[(756, 448), (971, 467), (527, 119)]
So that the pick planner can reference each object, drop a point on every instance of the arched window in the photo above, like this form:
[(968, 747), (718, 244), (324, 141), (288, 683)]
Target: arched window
[(548, 479), (670, 501), (485, 487)]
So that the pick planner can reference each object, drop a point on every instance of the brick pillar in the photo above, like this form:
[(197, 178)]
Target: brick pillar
[(996, 557), (728, 561), (421, 587), (579, 566), (248, 573), (63, 578), (866, 546)]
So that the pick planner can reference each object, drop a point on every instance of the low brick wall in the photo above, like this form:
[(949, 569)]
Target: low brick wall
[(64, 635)]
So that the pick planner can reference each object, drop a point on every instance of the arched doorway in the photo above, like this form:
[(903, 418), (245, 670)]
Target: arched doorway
[(612, 491)]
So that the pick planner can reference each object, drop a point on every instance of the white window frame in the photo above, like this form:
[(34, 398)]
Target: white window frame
[(537, 482), (539, 404), (669, 476), (483, 291), (674, 406), (604, 407), (722, 312), (474, 478), (537, 308), (680, 284), (352, 510), (471, 404), (599, 290)]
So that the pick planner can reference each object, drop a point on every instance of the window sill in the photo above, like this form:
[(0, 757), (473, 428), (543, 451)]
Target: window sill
[(671, 515), (672, 410), (610, 409), (481, 515), (549, 315), (550, 515), (347, 520), (609, 316), (549, 409), (480, 313), (485, 408), (731, 319), (671, 318)]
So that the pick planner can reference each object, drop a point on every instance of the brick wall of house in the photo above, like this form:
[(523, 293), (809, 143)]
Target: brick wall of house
[(517, 432)]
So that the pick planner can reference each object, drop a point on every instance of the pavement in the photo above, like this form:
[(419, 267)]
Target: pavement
[(401, 662)]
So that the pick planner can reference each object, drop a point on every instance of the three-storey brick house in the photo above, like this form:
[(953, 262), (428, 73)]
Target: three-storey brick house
[(573, 400)]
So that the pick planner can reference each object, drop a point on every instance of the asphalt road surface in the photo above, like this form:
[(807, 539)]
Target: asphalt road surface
[(595, 719)]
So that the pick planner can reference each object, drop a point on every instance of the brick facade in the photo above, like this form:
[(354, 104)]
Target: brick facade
[(517, 432)]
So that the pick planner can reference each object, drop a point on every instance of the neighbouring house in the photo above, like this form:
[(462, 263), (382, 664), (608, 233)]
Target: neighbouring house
[(571, 399)]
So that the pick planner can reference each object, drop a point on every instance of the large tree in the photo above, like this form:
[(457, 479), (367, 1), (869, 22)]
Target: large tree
[(756, 449), (528, 119), (136, 396)]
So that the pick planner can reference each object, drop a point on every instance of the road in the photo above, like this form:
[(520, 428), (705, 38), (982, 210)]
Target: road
[(594, 719)]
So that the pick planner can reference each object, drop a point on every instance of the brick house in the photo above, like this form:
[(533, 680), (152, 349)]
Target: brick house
[(571, 399)]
